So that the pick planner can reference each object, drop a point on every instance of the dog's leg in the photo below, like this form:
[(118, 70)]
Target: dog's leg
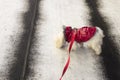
[(95, 42), (94, 46), (74, 46)]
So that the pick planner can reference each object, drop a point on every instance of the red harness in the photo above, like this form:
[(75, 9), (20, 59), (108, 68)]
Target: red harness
[(79, 35)]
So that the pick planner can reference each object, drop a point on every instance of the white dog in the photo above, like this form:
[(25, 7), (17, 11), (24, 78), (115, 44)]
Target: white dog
[(94, 43)]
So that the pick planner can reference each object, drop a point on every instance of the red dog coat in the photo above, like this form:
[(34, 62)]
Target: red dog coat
[(79, 35)]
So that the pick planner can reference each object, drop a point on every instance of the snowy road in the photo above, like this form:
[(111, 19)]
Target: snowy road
[(28, 32)]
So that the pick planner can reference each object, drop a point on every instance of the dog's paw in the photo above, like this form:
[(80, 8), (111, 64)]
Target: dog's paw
[(74, 47), (98, 50)]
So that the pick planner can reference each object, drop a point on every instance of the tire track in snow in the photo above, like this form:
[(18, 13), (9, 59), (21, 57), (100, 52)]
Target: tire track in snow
[(110, 53), (18, 68), (111, 11), (11, 28), (33, 38)]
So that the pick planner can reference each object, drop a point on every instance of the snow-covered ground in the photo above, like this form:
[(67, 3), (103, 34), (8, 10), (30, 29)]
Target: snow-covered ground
[(47, 61), (10, 29)]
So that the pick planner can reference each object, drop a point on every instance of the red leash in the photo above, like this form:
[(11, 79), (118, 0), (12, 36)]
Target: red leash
[(68, 61), (78, 35)]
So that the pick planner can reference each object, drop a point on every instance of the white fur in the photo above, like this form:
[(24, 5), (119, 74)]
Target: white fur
[(94, 43)]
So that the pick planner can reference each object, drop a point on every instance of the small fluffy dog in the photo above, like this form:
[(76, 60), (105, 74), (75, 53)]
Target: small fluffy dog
[(94, 42)]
